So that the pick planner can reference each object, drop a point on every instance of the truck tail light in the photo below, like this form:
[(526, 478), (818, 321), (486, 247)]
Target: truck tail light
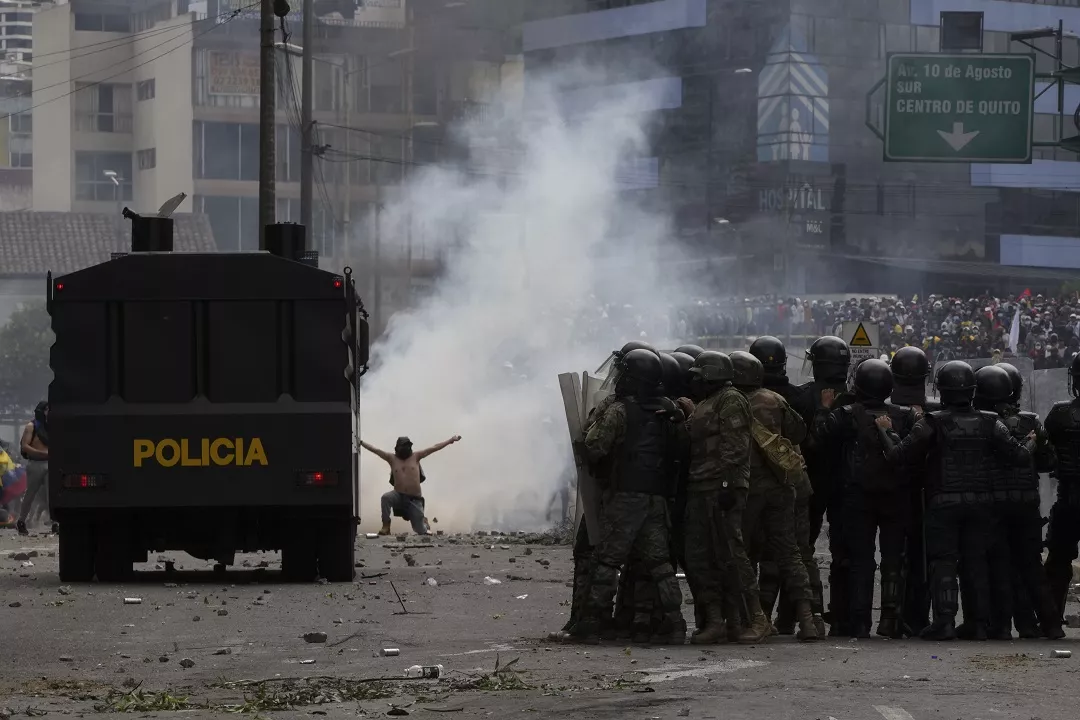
[(84, 480), (317, 478)]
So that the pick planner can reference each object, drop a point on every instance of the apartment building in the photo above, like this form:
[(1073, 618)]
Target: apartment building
[(762, 155), (159, 97)]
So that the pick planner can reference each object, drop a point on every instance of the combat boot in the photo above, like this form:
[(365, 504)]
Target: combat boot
[(641, 634), (785, 616), (584, 632), (819, 625), (671, 632), (807, 629), (943, 628), (385, 529), (1049, 620), (889, 625), (759, 624), (715, 630)]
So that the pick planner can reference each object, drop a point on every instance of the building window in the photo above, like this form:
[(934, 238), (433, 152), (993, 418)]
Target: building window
[(100, 22), (104, 107), (147, 159), (146, 89), (22, 122), (91, 182), (226, 151), (19, 43), (22, 160)]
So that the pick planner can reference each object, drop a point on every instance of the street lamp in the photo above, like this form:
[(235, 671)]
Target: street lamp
[(116, 179)]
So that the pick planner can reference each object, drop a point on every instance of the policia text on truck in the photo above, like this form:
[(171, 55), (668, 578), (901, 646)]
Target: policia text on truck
[(205, 402)]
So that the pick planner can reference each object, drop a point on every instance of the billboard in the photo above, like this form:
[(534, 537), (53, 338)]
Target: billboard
[(233, 73)]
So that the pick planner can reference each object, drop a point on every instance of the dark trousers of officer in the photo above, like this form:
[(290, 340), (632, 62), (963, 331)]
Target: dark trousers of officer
[(1016, 554), (958, 530), (840, 569), (770, 583), (916, 602), (865, 514), (1061, 541)]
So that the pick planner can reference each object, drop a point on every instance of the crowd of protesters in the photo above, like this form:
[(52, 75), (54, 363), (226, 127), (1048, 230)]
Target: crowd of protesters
[(947, 328)]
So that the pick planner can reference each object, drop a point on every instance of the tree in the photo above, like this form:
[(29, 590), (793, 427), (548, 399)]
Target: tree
[(24, 358)]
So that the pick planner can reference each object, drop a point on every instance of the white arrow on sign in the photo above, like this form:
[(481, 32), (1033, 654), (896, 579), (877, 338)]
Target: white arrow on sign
[(957, 139)]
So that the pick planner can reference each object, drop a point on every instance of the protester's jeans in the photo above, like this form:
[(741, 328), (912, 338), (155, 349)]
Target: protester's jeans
[(406, 506), (37, 478)]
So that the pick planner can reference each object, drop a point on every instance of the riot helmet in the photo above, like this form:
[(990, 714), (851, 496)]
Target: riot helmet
[(772, 355), (910, 366), (992, 386), (955, 382), (711, 370), (640, 372), (1074, 370), (830, 357), (747, 370), (873, 380), (685, 361), (1017, 381), (691, 350), (674, 376), (610, 370)]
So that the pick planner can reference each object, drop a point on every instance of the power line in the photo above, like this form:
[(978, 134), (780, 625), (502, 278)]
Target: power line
[(233, 15)]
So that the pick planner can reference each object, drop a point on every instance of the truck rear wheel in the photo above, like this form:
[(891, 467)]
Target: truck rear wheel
[(76, 551), (299, 560), (337, 550), (113, 557)]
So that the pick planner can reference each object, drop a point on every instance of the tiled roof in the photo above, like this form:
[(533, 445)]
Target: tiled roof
[(32, 243)]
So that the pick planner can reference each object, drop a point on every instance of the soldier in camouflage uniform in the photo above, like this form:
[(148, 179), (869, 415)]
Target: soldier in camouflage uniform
[(775, 463), (632, 449), (716, 489)]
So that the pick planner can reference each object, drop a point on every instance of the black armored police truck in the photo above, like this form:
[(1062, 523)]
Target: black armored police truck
[(205, 402)]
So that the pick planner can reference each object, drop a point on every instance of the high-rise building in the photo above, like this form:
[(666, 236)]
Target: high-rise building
[(762, 154)]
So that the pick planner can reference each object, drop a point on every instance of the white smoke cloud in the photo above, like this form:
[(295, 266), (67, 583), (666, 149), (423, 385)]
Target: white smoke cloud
[(542, 236)]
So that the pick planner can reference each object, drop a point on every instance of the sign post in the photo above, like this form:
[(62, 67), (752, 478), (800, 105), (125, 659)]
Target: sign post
[(863, 339), (959, 108)]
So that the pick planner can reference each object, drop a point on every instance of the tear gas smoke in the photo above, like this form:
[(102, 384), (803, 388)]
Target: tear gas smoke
[(541, 239)]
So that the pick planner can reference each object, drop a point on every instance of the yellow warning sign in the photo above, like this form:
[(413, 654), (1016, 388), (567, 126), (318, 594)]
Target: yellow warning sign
[(860, 338)]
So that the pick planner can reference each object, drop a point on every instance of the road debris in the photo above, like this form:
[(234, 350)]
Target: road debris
[(187, 663), (223, 651), (1062, 653), (315, 637), (132, 601), (432, 582), (64, 590), (492, 581), (222, 612)]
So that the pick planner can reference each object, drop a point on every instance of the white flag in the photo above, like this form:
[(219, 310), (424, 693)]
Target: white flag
[(1014, 332)]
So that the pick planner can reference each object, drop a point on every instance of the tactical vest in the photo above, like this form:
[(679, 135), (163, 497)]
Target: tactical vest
[(865, 455), (965, 452), (705, 473), (1018, 483), (644, 458), (1063, 422)]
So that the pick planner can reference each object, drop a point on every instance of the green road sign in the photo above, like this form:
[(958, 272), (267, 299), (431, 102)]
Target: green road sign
[(959, 108)]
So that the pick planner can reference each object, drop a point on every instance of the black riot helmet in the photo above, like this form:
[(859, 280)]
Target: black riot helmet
[(636, 345), (747, 369), (674, 376), (685, 363), (640, 372), (955, 383), (612, 367), (712, 368), (873, 380), (691, 350), (1016, 379), (910, 366), (772, 355), (992, 387), (830, 357), (1074, 372)]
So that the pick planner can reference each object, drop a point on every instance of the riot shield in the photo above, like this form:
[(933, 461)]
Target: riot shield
[(1043, 388), (571, 387)]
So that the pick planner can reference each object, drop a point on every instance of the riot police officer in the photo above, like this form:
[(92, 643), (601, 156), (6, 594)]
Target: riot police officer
[(875, 496), (716, 487), (911, 368), (1016, 553), (632, 449), (1063, 427), (691, 350), (962, 447), (830, 358), (772, 354)]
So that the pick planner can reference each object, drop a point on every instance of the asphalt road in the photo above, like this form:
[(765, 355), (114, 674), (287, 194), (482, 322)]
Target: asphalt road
[(82, 651)]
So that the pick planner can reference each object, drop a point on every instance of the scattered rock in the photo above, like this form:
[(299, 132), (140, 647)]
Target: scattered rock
[(196, 619), (528, 551), (397, 712), (170, 585), (432, 582), (518, 578), (163, 658), (504, 547), (222, 612), (481, 533), (438, 532), (410, 560), (315, 637), (475, 556), (223, 651), (15, 604), (65, 590), (187, 663), (66, 658), (513, 560)]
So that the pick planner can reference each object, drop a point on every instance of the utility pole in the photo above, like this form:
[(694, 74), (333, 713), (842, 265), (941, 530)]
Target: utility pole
[(306, 126), (267, 107)]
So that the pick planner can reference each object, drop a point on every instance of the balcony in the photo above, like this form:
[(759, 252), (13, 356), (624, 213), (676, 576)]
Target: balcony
[(103, 122)]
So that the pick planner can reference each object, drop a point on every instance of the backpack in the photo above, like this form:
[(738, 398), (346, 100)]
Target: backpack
[(869, 468)]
